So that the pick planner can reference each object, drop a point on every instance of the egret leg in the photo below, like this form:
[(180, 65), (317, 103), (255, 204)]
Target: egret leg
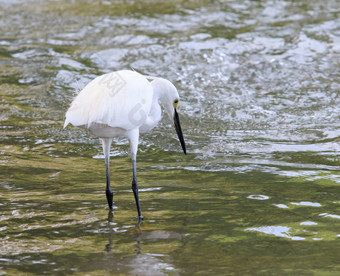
[(109, 193), (135, 189), (106, 149), (134, 137)]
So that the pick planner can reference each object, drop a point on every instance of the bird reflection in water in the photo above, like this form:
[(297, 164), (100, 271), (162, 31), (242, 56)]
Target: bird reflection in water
[(108, 247), (138, 263)]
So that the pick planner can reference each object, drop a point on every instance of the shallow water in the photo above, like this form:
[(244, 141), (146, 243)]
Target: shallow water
[(258, 192)]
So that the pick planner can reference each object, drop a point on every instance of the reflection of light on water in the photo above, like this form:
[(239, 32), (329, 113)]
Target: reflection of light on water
[(331, 177), (278, 231), (308, 223), (150, 189), (306, 203), (113, 153), (283, 206), (258, 197), (298, 173), (326, 215), (145, 189), (302, 203)]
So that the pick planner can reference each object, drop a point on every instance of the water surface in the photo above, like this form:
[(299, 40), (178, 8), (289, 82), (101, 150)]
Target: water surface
[(258, 192)]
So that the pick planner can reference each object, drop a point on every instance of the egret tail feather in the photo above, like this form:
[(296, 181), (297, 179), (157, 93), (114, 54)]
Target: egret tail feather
[(66, 123)]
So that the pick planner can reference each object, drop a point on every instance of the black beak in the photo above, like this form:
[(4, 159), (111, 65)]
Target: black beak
[(179, 131)]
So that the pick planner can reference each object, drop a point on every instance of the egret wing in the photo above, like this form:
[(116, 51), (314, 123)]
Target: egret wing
[(118, 99)]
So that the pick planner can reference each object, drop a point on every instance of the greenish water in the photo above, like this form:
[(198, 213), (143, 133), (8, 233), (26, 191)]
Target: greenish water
[(258, 192)]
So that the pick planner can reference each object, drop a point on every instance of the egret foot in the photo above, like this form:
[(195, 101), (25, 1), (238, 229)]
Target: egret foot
[(135, 192), (109, 196), (140, 221)]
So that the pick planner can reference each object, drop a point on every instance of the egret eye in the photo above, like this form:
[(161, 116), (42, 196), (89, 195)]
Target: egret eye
[(175, 103)]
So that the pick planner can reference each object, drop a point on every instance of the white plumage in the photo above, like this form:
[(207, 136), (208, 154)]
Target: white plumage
[(123, 103), (109, 99)]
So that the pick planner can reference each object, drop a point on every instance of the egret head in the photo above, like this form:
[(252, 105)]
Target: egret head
[(169, 99)]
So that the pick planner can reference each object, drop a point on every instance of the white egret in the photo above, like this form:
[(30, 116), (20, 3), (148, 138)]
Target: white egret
[(124, 104)]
